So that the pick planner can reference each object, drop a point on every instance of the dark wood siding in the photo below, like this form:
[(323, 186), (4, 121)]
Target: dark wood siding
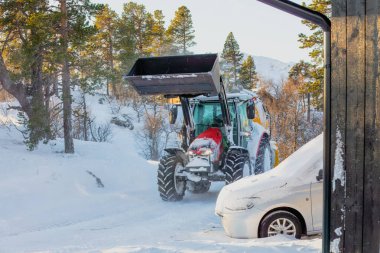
[(371, 211), (355, 109)]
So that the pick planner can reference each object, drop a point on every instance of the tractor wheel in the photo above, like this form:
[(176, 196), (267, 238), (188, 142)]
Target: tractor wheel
[(233, 167), (264, 157), (170, 186), (199, 187)]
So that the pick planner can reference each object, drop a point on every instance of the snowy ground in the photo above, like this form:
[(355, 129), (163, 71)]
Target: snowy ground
[(50, 203)]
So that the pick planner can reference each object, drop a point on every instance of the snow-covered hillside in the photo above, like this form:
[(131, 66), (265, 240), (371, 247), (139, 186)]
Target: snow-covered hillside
[(272, 69), (52, 202)]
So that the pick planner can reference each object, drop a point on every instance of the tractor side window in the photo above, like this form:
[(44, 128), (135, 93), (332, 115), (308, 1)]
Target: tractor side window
[(243, 116), (244, 121), (234, 122)]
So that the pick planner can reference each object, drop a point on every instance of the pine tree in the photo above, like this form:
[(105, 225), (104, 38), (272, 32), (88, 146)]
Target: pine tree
[(137, 24), (160, 44), (314, 42), (301, 76), (66, 92), (300, 69), (104, 46), (231, 60), (75, 30), (248, 74), (181, 31), (24, 72)]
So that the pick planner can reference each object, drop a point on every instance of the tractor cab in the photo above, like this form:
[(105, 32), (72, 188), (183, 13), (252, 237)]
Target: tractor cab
[(207, 113)]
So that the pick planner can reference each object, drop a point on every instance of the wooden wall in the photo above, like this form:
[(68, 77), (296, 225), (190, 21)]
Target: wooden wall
[(355, 130)]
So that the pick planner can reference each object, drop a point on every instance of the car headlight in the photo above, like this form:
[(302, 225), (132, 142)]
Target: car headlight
[(240, 204)]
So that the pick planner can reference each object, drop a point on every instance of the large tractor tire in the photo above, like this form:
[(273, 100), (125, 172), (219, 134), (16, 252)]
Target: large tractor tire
[(264, 157), (234, 167), (199, 187), (170, 186)]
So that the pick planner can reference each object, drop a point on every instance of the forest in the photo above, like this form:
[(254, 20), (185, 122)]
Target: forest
[(56, 53)]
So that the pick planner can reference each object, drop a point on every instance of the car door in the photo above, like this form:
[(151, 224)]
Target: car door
[(316, 189)]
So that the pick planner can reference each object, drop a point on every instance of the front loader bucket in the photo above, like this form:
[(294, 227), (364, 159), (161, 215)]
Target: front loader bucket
[(176, 75)]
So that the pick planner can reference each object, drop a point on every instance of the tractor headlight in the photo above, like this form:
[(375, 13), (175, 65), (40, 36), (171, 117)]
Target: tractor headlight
[(204, 148), (201, 152), (205, 151)]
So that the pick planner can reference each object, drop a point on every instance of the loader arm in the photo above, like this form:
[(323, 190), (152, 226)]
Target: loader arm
[(225, 112), (189, 121)]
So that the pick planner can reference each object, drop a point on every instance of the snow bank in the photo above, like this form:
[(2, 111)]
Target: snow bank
[(50, 203)]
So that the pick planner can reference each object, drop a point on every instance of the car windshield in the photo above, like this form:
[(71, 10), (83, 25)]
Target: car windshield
[(303, 164)]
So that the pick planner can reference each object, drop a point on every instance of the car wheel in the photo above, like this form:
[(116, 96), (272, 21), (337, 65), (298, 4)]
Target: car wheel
[(281, 223)]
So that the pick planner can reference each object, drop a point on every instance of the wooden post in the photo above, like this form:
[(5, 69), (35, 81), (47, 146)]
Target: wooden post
[(355, 127)]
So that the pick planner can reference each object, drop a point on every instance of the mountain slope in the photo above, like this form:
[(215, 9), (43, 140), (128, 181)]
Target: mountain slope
[(272, 69)]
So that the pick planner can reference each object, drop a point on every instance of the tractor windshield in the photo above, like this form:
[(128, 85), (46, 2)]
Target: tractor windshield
[(209, 114)]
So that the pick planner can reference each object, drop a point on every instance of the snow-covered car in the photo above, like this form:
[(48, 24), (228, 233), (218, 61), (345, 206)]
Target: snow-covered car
[(286, 200)]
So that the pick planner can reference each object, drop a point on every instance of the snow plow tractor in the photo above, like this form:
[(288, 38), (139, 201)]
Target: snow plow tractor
[(225, 136)]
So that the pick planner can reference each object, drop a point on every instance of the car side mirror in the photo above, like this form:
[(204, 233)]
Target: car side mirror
[(320, 176), (173, 115), (251, 111)]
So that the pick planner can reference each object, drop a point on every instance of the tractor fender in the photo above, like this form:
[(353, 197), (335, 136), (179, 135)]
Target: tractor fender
[(259, 133), (262, 138), (275, 153), (179, 152)]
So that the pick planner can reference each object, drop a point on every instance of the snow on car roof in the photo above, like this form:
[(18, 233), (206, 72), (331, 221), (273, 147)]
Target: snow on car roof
[(300, 167)]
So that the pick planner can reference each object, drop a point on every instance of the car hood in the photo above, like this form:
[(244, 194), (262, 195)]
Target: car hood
[(249, 191), (298, 169)]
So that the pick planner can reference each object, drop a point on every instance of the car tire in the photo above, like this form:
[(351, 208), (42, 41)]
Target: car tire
[(280, 222)]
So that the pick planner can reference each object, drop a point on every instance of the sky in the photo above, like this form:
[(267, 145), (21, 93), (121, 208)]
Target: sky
[(259, 29)]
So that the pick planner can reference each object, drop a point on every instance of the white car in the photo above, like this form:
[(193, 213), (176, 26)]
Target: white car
[(286, 200)]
